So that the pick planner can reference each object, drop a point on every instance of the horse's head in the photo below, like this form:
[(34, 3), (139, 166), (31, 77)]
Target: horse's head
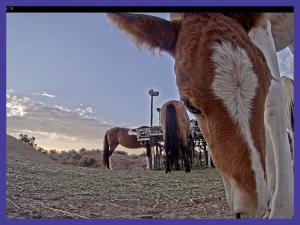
[(223, 80)]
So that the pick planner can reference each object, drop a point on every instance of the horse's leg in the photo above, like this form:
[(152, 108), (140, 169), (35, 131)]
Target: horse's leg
[(270, 169), (282, 205), (228, 192), (291, 137), (185, 155), (270, 164), (113, 146), (148, 156), (176, 160), (282, 201), (291, 140), (168, 166), (237, 215)]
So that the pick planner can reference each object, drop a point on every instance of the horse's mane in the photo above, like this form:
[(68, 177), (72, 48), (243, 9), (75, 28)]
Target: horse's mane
[(247, 20)]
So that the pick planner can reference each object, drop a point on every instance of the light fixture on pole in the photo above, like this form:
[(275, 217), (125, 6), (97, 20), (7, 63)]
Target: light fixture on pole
[(152, 93)]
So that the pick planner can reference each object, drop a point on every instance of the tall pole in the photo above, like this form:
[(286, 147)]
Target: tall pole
[(151, 121), (152, 93)]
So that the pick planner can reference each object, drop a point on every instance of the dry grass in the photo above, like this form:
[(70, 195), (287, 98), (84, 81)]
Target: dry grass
[(58, 191)]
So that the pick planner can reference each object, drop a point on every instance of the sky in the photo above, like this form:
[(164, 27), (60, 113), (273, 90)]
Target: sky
[(72, 76)]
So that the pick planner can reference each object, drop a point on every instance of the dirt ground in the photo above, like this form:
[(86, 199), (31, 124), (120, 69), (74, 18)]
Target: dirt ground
[(38, 187), (59, 191)]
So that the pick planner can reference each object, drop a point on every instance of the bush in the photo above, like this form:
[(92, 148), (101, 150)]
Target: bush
[(87, 161), (121, 152), (52, 151), (27, 140), (76, 156), (82, 150), (41, 150)]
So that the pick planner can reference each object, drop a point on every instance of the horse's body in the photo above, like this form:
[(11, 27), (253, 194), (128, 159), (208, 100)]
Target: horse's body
[(288, 90), (119, 135), (176, 131), (224, 78)]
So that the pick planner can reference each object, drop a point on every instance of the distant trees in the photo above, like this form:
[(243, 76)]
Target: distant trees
[(27, 140), (82, 150), (31, 141)]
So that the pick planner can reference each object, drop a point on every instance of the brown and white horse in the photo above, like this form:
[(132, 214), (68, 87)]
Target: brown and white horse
[(119, 135), (224, 79), (175, 124)]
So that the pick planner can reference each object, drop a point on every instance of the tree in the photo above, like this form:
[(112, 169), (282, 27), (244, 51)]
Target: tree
[(27, 140)]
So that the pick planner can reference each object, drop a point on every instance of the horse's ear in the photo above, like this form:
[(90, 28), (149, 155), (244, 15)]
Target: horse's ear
[(282, 29), (151, 31), (248, 20)]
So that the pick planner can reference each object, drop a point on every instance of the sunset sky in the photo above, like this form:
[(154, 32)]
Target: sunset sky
[(72, 76)]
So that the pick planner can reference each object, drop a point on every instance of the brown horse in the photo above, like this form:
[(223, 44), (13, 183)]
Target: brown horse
[(175, 124), (119, 135), (223, 79)]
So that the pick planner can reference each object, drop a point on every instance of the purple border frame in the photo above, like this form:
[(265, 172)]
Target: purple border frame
[(4, 3)]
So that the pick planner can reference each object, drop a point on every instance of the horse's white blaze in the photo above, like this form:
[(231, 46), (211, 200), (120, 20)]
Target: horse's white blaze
[(235, 84)]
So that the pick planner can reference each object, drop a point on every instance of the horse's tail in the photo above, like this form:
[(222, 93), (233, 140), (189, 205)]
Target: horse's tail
[(288, 90), (171, 132), (105, 151)]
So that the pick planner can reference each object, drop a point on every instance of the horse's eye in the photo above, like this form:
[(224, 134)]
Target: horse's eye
[(190, 107)]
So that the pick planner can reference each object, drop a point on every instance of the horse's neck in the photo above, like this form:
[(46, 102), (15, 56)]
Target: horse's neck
[(263, 39)]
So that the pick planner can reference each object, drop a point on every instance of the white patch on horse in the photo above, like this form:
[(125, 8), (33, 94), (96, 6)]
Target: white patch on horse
[(235, 83)]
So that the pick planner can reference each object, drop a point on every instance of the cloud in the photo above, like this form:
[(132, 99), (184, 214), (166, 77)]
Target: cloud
[(16, 106), (84, 111), (57, 123), (61, 108), (45, 94)]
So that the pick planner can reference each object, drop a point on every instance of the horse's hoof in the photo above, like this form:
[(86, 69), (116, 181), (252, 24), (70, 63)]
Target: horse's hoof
[(238, 216), (168, 171), (188, 170)]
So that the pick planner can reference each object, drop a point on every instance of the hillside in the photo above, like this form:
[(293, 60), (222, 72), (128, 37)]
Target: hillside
[(17, 150)]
